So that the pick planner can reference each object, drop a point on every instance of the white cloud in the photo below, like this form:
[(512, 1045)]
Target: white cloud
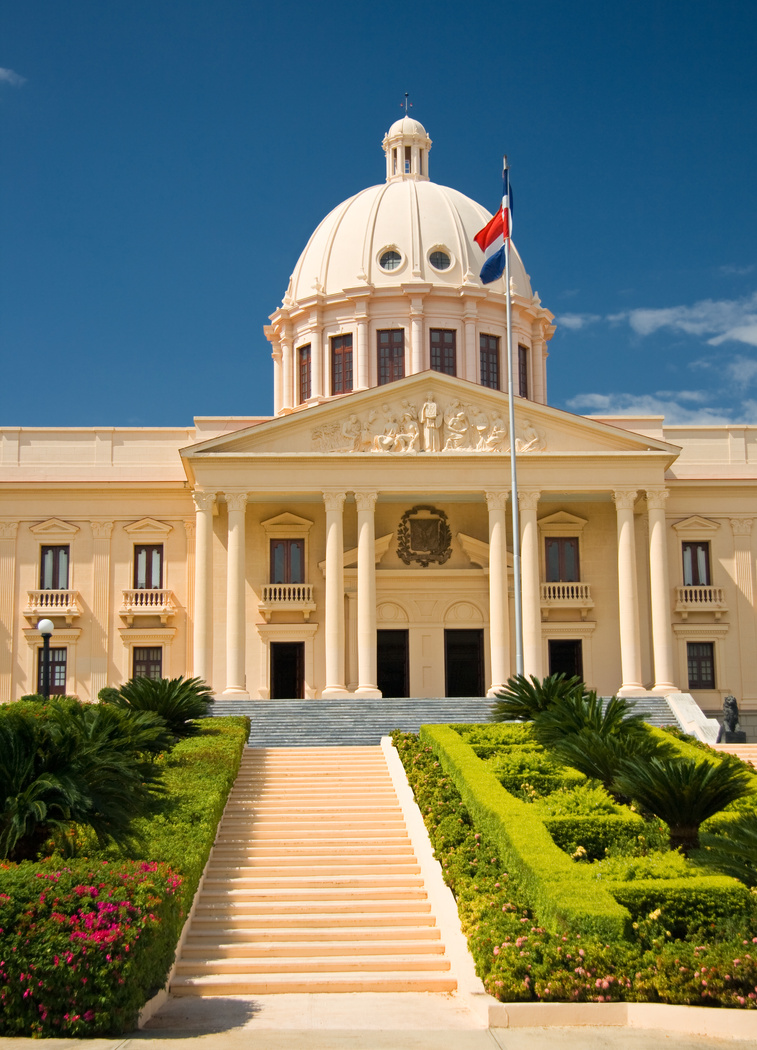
[(723, 320), (12, 78), (742, 370), (736, 271), (577, 321), (662, 403)]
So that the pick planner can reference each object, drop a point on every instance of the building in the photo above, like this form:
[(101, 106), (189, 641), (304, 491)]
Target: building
[(359, 540)]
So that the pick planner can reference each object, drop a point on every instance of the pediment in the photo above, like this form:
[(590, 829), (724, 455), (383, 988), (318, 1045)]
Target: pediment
[(54, 527), (477, 551), (381, 546), (287, 524), (147, 527), (696, 524), (427, 414), (561, 521)]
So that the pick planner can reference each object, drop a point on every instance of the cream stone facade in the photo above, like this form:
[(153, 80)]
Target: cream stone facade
[(359, 542)]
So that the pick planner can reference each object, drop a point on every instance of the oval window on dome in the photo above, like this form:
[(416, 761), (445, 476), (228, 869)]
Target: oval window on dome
[(439, 259), (390, 260)]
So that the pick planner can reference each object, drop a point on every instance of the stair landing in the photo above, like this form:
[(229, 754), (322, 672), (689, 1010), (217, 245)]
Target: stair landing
[(313, 885)]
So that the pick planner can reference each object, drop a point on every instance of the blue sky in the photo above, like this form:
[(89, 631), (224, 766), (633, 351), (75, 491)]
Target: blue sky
[(164, 162)]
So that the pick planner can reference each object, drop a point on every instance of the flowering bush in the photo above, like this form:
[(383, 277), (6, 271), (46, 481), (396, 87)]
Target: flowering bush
[(713, 963), (82, 945)]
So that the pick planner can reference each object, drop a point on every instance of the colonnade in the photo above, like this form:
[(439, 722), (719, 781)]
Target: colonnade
[(499, 626)]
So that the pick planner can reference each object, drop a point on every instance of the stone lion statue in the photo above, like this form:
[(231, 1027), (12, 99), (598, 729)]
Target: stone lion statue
[(730, 718)]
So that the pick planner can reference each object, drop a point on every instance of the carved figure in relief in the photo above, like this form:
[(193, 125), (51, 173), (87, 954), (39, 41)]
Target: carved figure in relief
[(409, 437), (481, 423), (497, 439), (532, 441), (456, 423), (385, 442), (351, 431), (431, 420)]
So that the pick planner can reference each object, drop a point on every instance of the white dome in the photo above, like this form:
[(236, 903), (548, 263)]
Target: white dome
[(407, 126), (410, 217)]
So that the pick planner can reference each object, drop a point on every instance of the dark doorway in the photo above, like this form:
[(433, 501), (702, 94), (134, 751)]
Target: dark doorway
[(566, 656), (464, 663), (393, 663), (287, 670)]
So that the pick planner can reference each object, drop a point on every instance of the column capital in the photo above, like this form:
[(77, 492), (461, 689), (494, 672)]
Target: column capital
[(366, 500), (497, 498), (334, 500), (742, 526), (101, 530), (528, 498), (656, 498), (190, 528), (236, 500), (203, 500), (625, 498), (8, 530)]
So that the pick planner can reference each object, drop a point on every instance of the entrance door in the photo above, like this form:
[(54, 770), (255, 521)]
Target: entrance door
[(287, 670), (393, 663), (464, 662), (566, 656)]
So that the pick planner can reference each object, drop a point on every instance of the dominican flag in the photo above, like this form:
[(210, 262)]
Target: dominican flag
[(493, 238)]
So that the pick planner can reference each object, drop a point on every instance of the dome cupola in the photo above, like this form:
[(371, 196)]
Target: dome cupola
[(406, 145)]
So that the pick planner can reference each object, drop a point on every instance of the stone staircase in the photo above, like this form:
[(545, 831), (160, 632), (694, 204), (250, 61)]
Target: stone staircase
[(362, 723), (746, 752), (312, 885)]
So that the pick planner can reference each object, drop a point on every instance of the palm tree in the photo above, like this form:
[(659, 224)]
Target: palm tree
[(734, 850), (684, 792), (524, 698), (178, 701)]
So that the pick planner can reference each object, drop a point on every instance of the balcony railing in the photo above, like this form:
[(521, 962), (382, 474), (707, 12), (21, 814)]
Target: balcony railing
[(700, 598), (147, 602), (52, 603), (560, 595), (287, 597)]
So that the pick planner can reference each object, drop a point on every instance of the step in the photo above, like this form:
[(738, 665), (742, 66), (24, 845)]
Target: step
[(217, 871), (307, 949), (282, 894), (304, 935), (319, 915), (313, 964), (271, 984)]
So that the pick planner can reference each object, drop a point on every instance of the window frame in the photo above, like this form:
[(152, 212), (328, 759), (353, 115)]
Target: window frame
[(444, 355), (304, 373), (56, 663), (289, 543), (341, 363), (390, 366), (56, 550), (154, 548), (694, 566), (488, 354), (524, 378), (561, 543), (696, 661), (147, 661)]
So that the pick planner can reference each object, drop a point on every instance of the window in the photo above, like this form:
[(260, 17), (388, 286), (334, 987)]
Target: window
[(341, 364), (303, 373), (147, 661), (444, 350), (53, 569), (696, 564), (57, 671), (407, 160), (148, 567), (390, 260), (701, 661), (489, 346), (440, 260), (391, 355), (562, 559), (523, 371), (287, 561)]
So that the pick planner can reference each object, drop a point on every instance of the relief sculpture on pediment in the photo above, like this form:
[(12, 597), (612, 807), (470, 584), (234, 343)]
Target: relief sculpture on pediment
[(409, 429)]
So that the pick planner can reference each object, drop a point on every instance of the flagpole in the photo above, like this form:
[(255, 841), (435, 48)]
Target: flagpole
[(517, 586)]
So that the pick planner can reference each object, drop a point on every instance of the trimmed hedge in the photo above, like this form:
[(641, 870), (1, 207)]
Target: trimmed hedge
[(119, 958), (596, 835), (686, 903), (560, 891)]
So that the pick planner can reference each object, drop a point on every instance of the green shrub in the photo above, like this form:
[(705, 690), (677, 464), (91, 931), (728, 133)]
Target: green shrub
[(554, 886), (517, 766), (734, 850), (590, 838), (524, 698), (180, 702), (83, 946), (687, 904)]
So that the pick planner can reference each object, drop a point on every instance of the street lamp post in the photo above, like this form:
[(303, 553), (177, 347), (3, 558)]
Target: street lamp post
[(46, 628)]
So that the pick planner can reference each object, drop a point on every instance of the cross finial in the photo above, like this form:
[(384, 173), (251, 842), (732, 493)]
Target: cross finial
[(406, 104)]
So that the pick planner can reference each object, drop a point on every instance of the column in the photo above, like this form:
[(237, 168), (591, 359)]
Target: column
[(628, 609), (742, 551), (659, 592), (8, 530), (203, 623), (529, 549), (334, 605), (287, 363), (236, 503), (499, 620), (190, 530), (101, 532), (366, 594), (316, 362), (416, 337), (471, 362), (277, 378), (363, 356), (537, 362)]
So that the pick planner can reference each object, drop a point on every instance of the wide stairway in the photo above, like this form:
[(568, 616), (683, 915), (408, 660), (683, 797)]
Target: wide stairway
[(312, 885), (362, 723)]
